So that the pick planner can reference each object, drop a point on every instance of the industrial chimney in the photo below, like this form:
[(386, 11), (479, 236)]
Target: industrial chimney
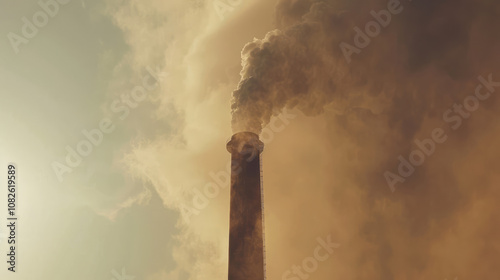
[(246, 236)]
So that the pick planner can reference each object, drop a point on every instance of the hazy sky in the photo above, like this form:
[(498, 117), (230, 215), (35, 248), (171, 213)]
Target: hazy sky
[(155, 78)]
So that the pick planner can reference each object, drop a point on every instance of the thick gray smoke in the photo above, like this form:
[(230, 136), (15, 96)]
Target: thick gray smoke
[(386, 73), (303, 65)]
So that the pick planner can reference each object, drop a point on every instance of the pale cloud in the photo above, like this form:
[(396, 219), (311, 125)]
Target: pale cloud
[(187, 40)]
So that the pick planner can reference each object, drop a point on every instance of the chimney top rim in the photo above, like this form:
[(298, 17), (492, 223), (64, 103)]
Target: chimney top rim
[(245, 138)]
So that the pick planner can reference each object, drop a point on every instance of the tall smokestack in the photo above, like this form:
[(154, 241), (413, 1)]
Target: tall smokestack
[(246, 239)]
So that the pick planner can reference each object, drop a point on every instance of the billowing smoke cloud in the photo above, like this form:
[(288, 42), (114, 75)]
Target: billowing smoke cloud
[(385, 81), (303, 64)]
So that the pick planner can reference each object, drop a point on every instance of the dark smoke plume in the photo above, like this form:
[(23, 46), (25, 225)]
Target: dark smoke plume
[(300, 65)]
